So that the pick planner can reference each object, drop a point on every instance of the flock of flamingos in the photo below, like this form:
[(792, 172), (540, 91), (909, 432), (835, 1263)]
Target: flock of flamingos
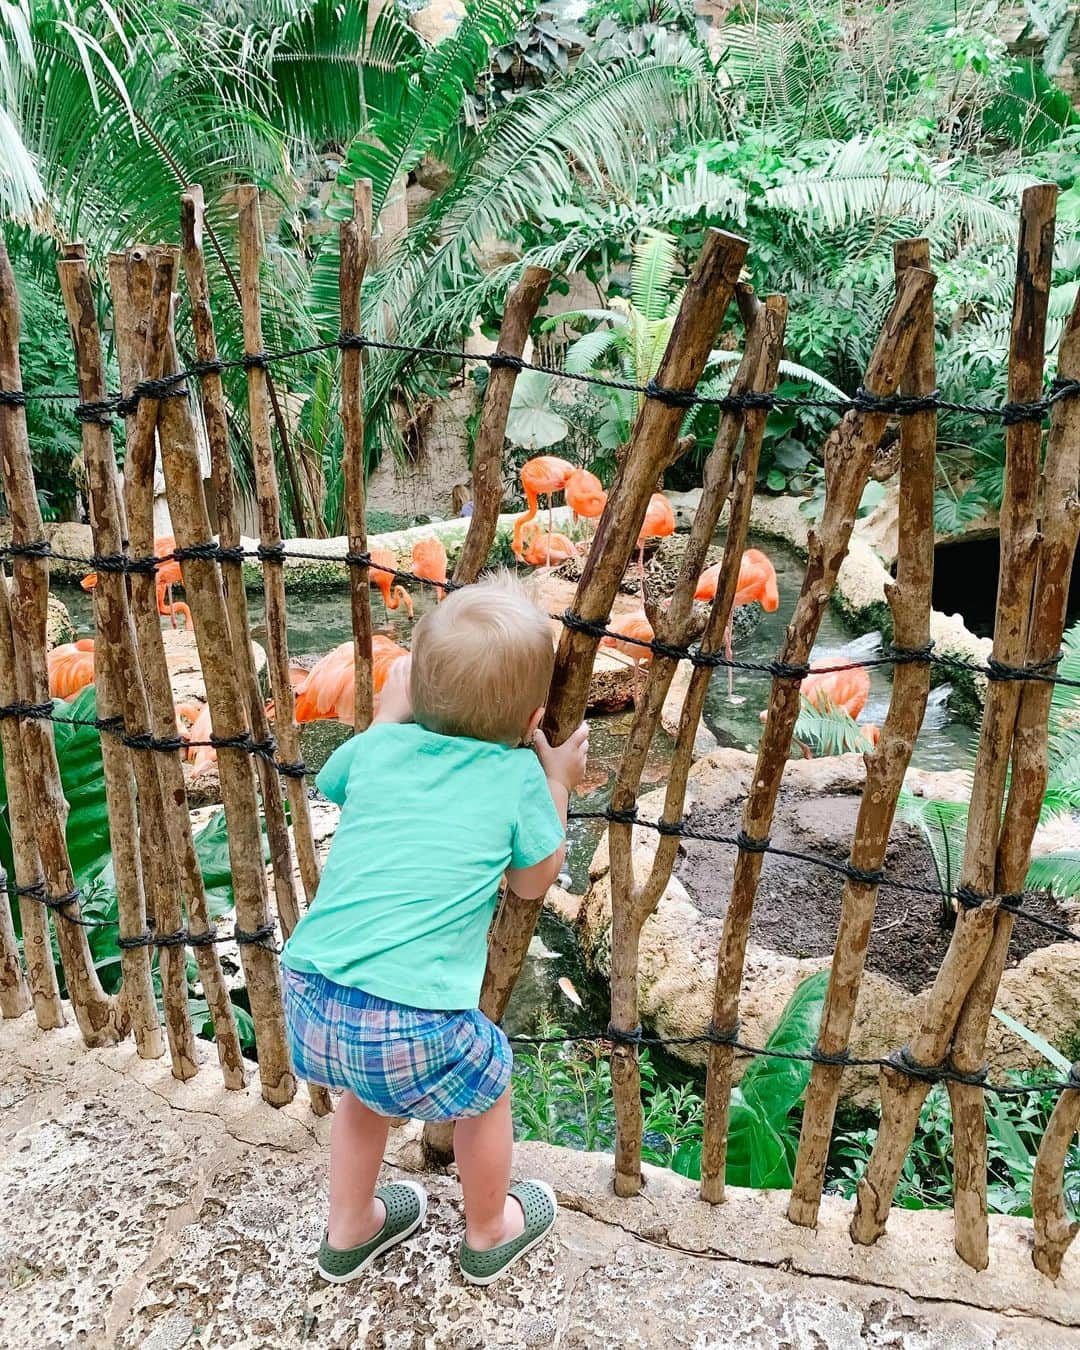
[(325, 692)]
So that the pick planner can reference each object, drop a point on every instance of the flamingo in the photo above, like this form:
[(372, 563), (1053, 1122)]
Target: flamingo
[(659, 522), (585, 495), (330, 687), (166, 575), (199, 729), (756, 585), (545, 550), (71, 667), (846, 690), (429, 561), (394, 596), (633, 629), (540, 477)]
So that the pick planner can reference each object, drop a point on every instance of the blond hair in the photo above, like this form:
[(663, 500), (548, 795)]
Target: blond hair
[(481, 662)]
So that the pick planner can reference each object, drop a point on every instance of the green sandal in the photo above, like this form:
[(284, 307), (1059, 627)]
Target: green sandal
[(406, 1205), (537, 1201)]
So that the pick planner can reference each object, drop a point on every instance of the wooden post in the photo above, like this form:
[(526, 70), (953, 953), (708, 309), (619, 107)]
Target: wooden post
[(37, 945), (266, 488), (651, 450), (100, 1017), (221, 468), (1059, 528), (355, 250), (142, 283), (1054, 1230), (14, 994), (901, 1094), (521, 306), (909, 599), (632, 902), (225, 695), (848, 453), (140, 856)]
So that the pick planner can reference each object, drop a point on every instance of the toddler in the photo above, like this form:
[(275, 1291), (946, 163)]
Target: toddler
[(440, 798)]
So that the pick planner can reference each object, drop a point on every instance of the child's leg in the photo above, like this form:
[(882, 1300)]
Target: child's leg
[(483, 1146), (357, 1145)]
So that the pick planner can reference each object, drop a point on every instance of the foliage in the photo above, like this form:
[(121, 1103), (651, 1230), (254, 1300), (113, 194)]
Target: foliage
[(1015, 1127), (829, 730), (562, 1095)]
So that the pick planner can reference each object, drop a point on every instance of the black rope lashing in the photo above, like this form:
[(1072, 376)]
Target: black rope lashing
[(256, 937), (504, 361), (27, 711), (34, 548), (673, 398), (838, 1059), (169, 386), (60, 903), (208, 552), (143, 939), (1014, 414), (620, 1037), (747, 844), (12, 398), (271, 553), (97, 413), (723, 1035), (578, 624), (256, 361), (865, 876), (788, 670), (202, 368), (291, 769), (908, 656)]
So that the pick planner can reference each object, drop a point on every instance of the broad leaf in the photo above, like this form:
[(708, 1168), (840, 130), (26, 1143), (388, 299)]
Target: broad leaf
[(531, 423), (1037, 1042), (775, 1086)]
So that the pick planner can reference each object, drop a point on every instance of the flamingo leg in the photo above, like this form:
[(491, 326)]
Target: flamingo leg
[(551, 526), (402, 597)]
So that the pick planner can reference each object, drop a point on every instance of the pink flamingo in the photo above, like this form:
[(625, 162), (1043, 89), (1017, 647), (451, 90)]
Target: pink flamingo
[(429, 562), (659, 523), (540, 477), (394, 596), (756, 585), (546, 550)]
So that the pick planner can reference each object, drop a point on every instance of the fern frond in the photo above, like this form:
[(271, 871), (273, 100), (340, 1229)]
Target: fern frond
[(652, 270)]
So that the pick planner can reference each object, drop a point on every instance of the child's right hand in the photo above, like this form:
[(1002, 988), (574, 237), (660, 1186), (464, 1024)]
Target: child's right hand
[(564, 763)]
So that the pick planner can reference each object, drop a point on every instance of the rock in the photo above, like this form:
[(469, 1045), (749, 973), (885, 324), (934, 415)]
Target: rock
[(74, 541), (794, 924), (438, 21), (685, 505), (58, 625), (185, 668), (423, 486)]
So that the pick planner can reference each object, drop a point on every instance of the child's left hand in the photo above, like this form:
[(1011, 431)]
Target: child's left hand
[(395, 701)]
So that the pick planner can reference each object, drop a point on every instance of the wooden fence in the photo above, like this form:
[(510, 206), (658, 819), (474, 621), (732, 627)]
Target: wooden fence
[(162, 903)]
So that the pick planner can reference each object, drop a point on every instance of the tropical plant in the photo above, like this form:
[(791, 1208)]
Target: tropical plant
[(1015, 1127), (562, 1095)]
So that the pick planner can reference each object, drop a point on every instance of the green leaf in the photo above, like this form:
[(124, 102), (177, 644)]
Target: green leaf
[(776, 481), (775, 1086), (1037, 1042), (531, 423), (212, 850)]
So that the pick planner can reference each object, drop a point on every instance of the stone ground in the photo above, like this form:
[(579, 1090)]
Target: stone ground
[(143, 1212)]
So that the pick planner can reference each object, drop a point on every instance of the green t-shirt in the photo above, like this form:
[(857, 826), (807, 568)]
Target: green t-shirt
[(428, 826)]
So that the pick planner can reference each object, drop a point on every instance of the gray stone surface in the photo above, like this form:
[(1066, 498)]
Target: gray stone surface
[(143, 1212)]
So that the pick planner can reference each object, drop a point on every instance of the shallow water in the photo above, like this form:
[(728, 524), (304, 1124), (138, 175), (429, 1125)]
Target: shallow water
[(320, 621)]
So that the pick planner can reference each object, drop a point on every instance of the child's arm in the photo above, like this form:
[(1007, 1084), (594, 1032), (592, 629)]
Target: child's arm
[(564, 767), (395, 700)]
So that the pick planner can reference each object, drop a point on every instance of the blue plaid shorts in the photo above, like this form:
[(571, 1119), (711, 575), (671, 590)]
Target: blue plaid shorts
[(398, 1061)]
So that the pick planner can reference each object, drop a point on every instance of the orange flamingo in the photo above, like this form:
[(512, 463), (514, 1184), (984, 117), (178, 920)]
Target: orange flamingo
[(329, 689), (585, 495), (394, 596), (845, 690), (429, 561), (71, 667), (659, 522), (166, 576), (546, 550), (199, 729), (540, 477), (634, 629), (756, 585)]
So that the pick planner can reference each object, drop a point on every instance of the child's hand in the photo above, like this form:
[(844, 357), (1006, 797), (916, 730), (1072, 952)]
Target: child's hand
[(395, 701), (565, 763)]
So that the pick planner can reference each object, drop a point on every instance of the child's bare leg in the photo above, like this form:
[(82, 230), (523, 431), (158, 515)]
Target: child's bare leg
[(483, 1146), (357, 1145)]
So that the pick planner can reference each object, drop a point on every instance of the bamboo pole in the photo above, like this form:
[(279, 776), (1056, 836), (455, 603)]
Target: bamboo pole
[(37, 946), (1059, 529), (221, 468), (100, 1018), (848, 454), (355, 238), (632, 902), (142, 283), (909, 599), (901, 1094), (141, 857), (266, 489), (225, 695), (521, 306), (651, 449)]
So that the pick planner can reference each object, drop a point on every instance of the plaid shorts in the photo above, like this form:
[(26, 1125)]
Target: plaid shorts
[(398, 1061)]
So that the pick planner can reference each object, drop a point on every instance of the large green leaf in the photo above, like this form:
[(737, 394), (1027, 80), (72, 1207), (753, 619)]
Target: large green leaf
[(78, 753), (531, 423)]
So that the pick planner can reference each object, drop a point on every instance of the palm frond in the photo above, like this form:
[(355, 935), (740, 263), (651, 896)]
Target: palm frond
[(1058, 873), (943, 825), (652, 270), (829, 730)]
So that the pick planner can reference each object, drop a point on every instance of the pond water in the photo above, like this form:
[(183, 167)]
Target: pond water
[(320, 621)]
